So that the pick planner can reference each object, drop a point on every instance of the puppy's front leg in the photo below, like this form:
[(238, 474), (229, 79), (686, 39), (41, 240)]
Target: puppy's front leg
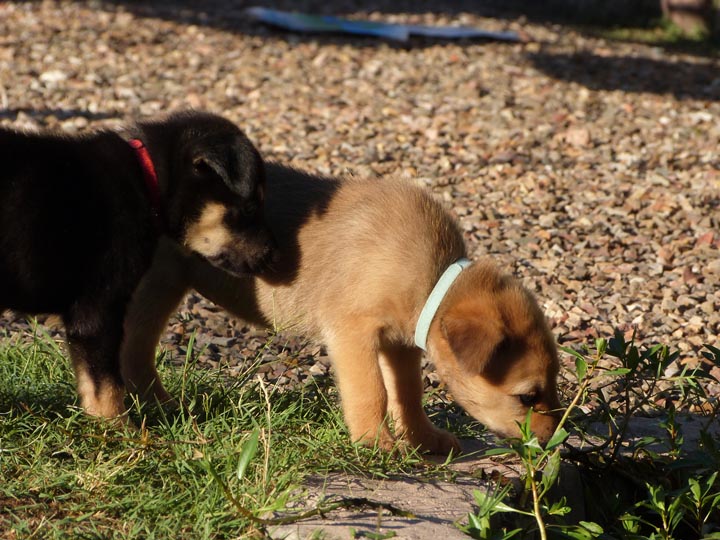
[(354, 354), (235, 294), (402, 373), (155, 299), (94, 353)]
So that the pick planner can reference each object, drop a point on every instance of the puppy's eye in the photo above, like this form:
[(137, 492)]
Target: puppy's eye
[(528, 400), (503, 348)]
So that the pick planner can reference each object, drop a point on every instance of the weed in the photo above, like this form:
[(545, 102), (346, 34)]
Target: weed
[(649, 488)]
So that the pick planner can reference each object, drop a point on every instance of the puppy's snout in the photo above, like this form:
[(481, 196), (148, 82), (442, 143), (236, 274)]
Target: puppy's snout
[(267, 249), (543, 423), (268, 239), (253, 250)]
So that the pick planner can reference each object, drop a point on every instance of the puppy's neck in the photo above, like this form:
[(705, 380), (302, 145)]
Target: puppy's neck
[(149, 175), (143, 141), (435, 298), (154, 144)]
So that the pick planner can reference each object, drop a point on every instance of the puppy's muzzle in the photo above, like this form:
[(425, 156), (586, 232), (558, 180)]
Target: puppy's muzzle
[(251, 251)]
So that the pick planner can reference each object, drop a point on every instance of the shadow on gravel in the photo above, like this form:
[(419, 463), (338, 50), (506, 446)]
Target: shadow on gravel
[(60, 114), (684, 80), (596, 12), (230, 16)]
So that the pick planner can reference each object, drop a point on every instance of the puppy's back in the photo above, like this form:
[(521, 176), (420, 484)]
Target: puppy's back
[(61, 198), (361, 247)]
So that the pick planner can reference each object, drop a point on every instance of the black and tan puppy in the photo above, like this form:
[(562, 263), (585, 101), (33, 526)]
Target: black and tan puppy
[(81, 217), (358, 263)]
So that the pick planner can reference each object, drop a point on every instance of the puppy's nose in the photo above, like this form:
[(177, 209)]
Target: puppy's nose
[(543, 424), (270, 241), (266, 251)]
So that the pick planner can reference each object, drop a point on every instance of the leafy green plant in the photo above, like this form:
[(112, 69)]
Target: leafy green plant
[(480, 524), (653, 487)]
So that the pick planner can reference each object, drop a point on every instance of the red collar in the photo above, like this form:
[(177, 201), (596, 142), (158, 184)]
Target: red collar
[(149, 174)]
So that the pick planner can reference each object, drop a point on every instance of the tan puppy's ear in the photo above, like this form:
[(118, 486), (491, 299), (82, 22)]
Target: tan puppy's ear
[(472, 337)]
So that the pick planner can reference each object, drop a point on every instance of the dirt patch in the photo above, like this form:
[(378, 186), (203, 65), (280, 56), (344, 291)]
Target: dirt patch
[(436, 507)]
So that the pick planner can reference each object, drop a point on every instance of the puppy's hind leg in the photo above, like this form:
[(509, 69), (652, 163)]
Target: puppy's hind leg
[(402, 374), (155, 299)]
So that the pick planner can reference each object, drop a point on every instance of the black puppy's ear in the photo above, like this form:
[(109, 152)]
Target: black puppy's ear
[(239, 167), (212, 162)]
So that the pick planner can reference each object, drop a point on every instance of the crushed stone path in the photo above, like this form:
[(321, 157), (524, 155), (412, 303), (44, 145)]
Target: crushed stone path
[(587, 167)]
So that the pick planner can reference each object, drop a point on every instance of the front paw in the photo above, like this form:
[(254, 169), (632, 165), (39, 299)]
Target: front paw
[(384, 441), (434, 441)]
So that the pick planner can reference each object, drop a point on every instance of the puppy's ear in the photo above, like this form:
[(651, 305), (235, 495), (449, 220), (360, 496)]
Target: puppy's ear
[(473, 339), (213, 162), (239, 166)]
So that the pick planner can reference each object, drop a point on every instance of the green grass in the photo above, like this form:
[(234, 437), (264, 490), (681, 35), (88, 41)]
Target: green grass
[(665, 34), (234, 464), (238, 458)]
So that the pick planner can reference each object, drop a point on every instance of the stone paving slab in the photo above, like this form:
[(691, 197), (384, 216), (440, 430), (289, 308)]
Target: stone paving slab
[(438, 505), (435, 505)]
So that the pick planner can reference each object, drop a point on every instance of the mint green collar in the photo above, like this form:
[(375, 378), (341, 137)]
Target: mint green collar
[(433, 302)]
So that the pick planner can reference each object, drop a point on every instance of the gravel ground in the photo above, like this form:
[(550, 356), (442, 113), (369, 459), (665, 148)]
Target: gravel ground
[(587, 167)]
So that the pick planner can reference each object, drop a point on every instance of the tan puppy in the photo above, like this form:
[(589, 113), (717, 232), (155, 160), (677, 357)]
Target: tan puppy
[(358, 261)]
